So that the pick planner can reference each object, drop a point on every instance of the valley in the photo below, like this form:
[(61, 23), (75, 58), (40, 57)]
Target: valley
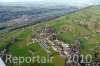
[(74, 33)]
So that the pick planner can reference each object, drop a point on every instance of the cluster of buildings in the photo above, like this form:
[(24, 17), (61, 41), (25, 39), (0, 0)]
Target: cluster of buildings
[(29, 42), (46, 37), (62, 48), (3, 53)]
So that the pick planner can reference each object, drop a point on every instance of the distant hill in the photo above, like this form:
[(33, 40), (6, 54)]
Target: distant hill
[(13, 15)]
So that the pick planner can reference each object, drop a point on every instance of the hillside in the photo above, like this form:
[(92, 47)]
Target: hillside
[(82, 25)]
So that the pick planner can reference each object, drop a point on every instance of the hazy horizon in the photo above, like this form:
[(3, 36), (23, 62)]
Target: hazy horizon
[(53, 1)]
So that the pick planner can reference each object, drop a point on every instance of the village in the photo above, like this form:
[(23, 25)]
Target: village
[(46, 37)]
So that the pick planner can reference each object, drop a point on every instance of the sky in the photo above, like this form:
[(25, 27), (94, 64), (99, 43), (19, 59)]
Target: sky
[(65, 1)]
